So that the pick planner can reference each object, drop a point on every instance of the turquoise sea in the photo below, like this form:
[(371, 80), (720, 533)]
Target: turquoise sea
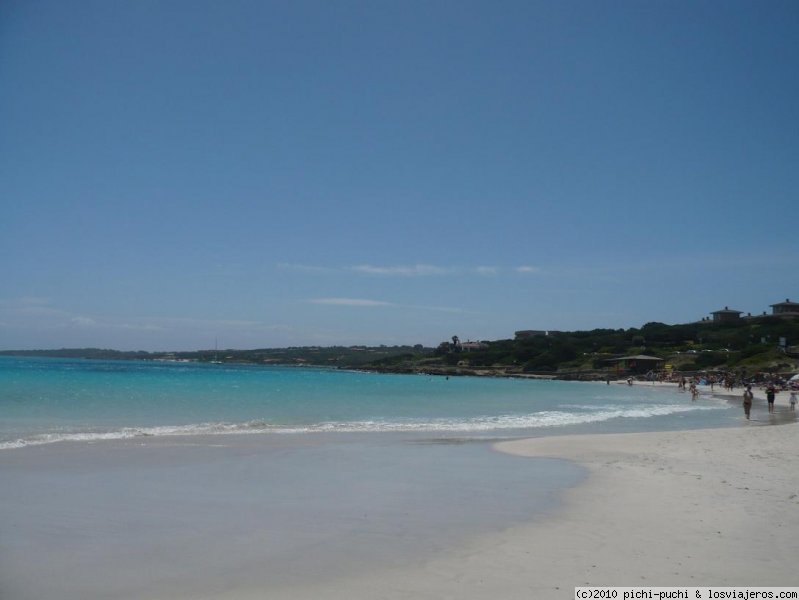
[(133, 480), (45, 400)]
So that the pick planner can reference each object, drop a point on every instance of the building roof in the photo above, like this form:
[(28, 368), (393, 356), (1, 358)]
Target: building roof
[(471, 344), (787, 303), (726, 311)]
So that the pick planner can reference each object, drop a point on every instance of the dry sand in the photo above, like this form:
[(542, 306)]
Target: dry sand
[(687, 508)]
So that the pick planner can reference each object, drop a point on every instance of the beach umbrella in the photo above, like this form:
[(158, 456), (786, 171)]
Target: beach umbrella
[(794, 378)]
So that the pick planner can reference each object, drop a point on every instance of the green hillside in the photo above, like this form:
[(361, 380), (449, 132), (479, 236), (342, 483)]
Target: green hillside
[(750, 345)]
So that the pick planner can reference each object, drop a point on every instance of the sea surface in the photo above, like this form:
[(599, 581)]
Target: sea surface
[(152, 480), (46, 400)]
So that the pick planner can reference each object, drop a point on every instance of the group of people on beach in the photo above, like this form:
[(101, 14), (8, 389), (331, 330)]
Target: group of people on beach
[(683, 384), (771, 383), (771, 394)]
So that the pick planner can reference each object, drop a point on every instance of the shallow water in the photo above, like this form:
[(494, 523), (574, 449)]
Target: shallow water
[(50, 400), (166, 480), (174, 519)]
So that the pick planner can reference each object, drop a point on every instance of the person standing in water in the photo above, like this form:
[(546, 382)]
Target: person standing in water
[(771, 392), (748, 396)]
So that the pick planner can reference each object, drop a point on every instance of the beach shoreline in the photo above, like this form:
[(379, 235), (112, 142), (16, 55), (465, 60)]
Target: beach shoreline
[(715, 507), (664, 508)]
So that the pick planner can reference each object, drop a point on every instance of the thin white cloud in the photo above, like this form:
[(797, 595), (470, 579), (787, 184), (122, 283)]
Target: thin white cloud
[(106, 324), (418, 270), (83, 322), (350, 302), (402, 270), (365, 303)]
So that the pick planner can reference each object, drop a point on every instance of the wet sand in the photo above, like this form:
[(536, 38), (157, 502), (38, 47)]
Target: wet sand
[(684, 508), (196, 517), (191, 518)]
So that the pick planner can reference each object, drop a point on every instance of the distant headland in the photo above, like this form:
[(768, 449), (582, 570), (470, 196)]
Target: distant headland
[(727, 341)]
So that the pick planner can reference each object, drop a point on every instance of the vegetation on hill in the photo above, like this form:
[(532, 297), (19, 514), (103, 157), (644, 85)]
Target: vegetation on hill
[(334, 356), (749, 345)]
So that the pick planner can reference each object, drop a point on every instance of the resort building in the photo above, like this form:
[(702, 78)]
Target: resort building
[(726, 315), (528, 333), (468, 346), (785, 309)]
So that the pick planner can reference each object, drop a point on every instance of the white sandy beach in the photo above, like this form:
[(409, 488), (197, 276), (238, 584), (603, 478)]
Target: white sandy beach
[(280, 517), (705, 507)]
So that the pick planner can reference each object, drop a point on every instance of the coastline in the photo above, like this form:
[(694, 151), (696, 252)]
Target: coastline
[(713, 507), (679, 507)]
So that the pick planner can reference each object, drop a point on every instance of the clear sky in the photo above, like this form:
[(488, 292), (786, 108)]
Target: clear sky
[(382, 172)]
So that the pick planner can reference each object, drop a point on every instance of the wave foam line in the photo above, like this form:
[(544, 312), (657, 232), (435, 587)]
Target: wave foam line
[(139, 432), (482, 423), (500, 422)]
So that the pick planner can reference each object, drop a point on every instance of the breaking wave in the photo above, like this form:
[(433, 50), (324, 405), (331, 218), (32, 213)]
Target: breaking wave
[(541, 419)]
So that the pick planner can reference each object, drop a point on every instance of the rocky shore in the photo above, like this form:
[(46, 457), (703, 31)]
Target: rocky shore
[(499, 371)]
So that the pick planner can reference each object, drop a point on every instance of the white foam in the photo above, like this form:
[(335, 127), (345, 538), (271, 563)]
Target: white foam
[(138, 432), (535, 420), (504, 422)]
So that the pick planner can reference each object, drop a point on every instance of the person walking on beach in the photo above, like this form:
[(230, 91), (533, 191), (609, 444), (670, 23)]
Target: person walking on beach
[(770, 394), (748, 396), (792, 400)]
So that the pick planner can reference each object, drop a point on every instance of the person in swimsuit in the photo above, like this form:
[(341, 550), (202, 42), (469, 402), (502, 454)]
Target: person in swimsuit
[(748, 400), (770, 394)]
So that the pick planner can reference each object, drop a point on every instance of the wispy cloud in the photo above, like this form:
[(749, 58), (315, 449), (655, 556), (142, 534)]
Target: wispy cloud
[(402, 270), (418, 270), (83, 321), (110, 323), (527, 269), (366, 303), (350, 302)]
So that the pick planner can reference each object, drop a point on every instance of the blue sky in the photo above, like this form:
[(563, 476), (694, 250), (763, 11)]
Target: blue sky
[(298, 173)]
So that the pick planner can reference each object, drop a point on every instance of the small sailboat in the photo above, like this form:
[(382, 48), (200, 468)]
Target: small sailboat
[(216, 360)]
